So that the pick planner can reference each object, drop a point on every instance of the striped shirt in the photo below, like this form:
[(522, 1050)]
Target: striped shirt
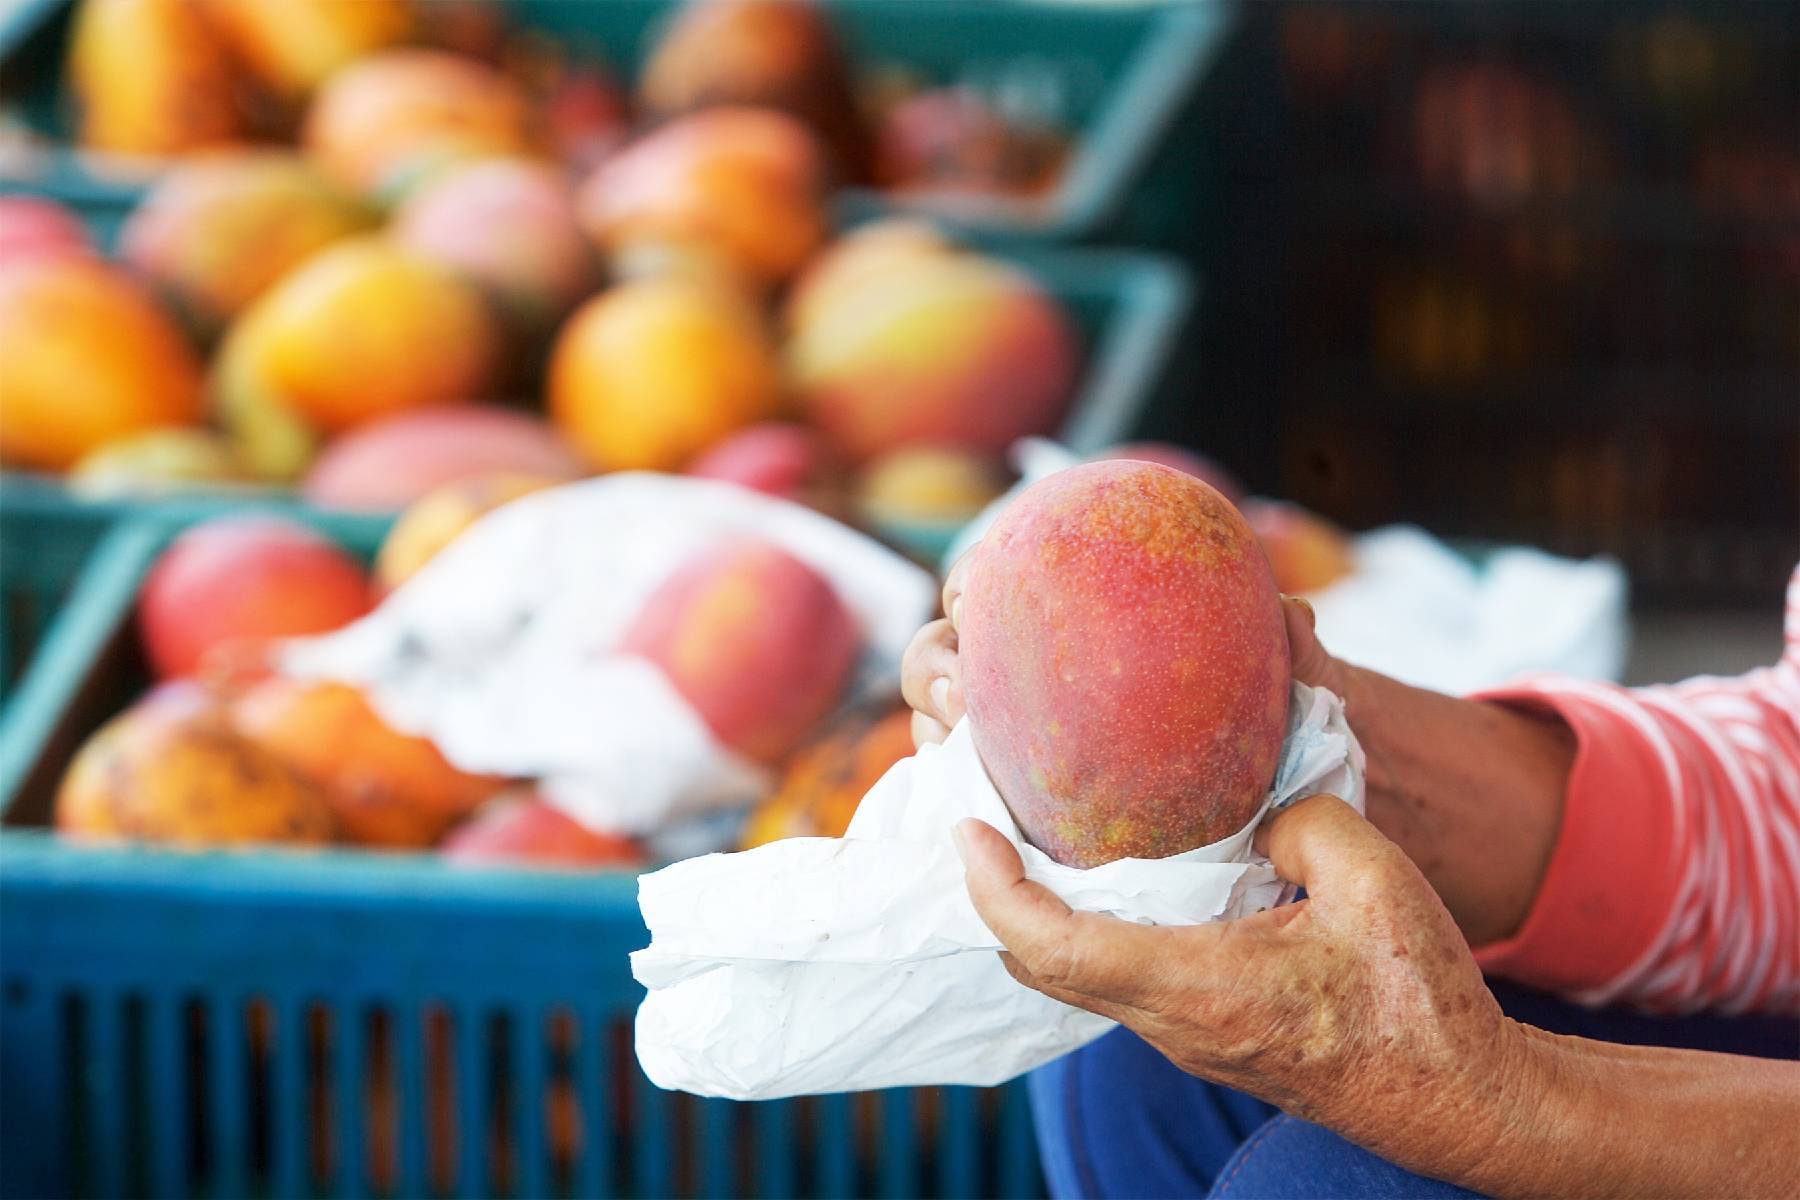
[(1675, 881)]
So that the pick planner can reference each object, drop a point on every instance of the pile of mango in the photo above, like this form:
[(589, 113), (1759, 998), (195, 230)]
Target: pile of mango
[(223, 750), (391, 244)]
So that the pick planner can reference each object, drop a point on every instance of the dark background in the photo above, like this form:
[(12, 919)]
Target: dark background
[(1518, 271)]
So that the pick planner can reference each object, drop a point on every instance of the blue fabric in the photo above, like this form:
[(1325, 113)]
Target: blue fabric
[(1116, 1120)]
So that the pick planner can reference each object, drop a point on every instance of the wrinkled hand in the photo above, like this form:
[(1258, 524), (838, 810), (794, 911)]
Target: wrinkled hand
[(1358, 1008), (932, 684)]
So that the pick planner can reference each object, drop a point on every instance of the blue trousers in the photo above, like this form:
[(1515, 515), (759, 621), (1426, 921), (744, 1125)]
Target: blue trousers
[(1116, 1120)]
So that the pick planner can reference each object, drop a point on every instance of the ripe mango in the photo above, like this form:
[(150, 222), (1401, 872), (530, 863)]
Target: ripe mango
[(384, 787), (757, 641), (171, 769), (86, 358), (1124, 663)]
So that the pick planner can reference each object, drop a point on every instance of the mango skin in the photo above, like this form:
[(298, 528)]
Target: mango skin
[(1124, 663), (757, 641)]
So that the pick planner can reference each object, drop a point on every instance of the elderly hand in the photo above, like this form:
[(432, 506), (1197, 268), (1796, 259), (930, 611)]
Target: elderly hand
[(1358, 1008)]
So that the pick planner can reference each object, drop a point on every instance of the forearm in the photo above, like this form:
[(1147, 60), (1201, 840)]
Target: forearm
[(1473, 793), (1595, 1119)]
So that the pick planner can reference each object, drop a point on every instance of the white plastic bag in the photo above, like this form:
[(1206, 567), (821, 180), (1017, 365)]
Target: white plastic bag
[(841, 964), (501, 648)]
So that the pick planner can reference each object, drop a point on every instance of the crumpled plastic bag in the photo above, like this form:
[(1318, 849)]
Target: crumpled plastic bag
[(840, 964), (501, 648)]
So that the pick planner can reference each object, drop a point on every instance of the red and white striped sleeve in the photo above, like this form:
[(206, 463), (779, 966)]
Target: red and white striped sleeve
[(1675, 881)]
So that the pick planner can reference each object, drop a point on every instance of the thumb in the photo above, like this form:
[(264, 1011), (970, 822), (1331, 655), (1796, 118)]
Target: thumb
[(1063, 951), (1323, 845)]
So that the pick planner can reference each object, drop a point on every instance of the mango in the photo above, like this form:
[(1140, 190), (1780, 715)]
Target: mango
[(441, 515), (234, 584), (927, 484), (508, 224), (757, 641), (829, 776), (520, 829), (88, 358), (386, 465), (857, 260), (1306, 552), (949, 349), (173, 770), (653, 371), (293, 46), (382, 124), (364, 330), (32, 226), (157, 462), (775, 458), (1124, 663), (218, 230), (779, 54), (384, 788), (149, 78), (736, 189)]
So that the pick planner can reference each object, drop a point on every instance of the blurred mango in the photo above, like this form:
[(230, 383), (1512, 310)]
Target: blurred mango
[(88, 358), (740, 186), (940, 348), (779, 54), (441, 516), (508, 224), (650, 373), (388, 464), (149, 78), (361, 331), (157, 462), (173, 769), (293, 46), (381, 125), (384, 787), (218, 230)]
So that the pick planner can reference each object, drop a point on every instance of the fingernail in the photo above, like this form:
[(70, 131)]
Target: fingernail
[(1312, 618), (956, 612), (940, 697), (957, 840)]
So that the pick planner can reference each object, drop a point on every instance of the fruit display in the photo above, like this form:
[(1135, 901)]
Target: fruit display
[(1091, 569), (382, 91), (263, 329)]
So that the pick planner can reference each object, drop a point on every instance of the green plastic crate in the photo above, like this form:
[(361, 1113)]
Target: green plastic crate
[(180, 1024), (1124, 72)]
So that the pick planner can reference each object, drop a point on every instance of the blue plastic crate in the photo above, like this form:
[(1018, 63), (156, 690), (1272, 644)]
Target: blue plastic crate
[(336, 1022), (1123, 71)]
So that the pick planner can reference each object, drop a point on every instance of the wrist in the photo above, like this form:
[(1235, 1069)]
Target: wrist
[(1511, 1113)]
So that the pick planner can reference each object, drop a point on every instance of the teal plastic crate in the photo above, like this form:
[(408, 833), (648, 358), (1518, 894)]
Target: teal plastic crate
[(1123, 72), (45, 544), (345, 1023)]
